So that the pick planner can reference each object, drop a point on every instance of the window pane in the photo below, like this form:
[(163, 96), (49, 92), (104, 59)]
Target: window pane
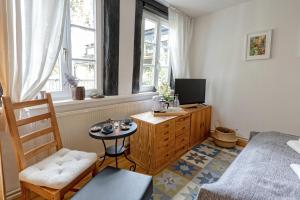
[(148, 76), (164, 57), (163, 75), (164, 35), (85, 71), (150, 31), (83, 43), (155, 63), (54, 83), (149, 53), (82, 13), (164, 46)]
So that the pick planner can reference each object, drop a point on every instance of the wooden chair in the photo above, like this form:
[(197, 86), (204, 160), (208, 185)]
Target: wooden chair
[(2, 183), (23, 157)]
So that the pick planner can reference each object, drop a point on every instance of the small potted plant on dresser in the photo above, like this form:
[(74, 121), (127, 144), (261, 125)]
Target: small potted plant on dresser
[(78, 92)]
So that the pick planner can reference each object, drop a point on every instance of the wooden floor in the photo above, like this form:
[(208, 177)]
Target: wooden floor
[(122, 163)]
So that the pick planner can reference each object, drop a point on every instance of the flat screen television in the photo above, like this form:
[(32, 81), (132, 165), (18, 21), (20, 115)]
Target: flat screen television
[(190, 91)]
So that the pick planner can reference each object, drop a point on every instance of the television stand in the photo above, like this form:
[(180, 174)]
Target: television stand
[(195, 105)]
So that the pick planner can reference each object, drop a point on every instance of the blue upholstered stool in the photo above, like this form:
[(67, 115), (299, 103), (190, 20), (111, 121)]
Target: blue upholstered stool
[(117, 184)]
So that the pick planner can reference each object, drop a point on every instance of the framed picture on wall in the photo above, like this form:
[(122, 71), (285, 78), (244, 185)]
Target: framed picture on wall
[(258, 45)]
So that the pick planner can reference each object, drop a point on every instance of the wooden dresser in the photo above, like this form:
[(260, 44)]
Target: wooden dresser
[(161, 140)]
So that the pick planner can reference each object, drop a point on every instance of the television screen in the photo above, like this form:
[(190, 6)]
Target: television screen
[(190, 91)]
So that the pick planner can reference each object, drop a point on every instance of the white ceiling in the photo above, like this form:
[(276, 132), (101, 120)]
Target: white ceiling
[(196, 8)]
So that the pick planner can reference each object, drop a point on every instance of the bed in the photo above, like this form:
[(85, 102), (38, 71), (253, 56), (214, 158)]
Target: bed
[(261, 171)]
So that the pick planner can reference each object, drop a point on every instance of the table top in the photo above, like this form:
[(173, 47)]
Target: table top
[(116, 134)]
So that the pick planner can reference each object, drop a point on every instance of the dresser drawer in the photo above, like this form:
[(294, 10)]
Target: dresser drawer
[(183, 131), (165, 144), (163, 141), (160, 135), (163, 126), (162, 151), (183, 121), (181, 150), (182, 140), (162, 130), (181, 143), (163, 159)]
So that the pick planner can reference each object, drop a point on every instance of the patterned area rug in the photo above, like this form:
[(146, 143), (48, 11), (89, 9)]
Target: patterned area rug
[(182, 179)]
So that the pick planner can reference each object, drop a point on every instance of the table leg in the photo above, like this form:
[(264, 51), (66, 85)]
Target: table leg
[(116, 151), (132, 167), (104, 157)]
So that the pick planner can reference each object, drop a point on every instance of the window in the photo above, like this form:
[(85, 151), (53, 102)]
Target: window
[(79, 49), (155, 67)]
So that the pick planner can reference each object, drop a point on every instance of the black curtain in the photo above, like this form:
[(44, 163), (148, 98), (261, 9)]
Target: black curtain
[(137, 46), (156, 8), (111, 47)]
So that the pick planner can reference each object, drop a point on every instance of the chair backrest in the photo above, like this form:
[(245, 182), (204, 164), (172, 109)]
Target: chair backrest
[(14, 125), (2, 183)]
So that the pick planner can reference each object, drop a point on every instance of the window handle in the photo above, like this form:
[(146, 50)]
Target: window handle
[(65, 52)]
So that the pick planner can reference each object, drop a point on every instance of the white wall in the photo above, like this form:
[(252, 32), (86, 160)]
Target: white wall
[(258, 95), (127, 19)]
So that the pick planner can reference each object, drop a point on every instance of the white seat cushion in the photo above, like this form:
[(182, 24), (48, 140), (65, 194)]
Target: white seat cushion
[(59, 169)]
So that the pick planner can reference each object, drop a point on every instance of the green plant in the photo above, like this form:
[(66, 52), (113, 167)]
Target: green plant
[(164, 90)]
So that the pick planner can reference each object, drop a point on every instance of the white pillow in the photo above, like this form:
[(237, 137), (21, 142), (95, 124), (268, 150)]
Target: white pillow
[(294, 144), (296, 169)]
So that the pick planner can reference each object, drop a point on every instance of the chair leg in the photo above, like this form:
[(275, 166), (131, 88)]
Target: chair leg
[(95, 170), (25, 192), (57, 196)]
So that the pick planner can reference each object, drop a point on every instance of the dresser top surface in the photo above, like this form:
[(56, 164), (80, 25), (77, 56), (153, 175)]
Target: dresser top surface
[(149, 118)]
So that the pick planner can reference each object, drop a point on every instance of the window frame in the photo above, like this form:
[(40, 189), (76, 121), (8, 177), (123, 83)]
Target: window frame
[(160, 21), (65, 55)]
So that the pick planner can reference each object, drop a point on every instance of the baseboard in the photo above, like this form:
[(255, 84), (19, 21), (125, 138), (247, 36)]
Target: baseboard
[(14, 194)]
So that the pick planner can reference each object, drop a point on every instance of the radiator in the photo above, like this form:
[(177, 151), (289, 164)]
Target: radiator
[(74, 125)]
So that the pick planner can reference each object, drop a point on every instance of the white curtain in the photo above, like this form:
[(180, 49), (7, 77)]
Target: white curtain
[(181, 31), (35, 31)]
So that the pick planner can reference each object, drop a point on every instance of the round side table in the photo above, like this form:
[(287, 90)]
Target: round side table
[(117, 149)]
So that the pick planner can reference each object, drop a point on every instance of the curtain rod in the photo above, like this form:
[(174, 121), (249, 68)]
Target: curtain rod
[(179, 11)]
